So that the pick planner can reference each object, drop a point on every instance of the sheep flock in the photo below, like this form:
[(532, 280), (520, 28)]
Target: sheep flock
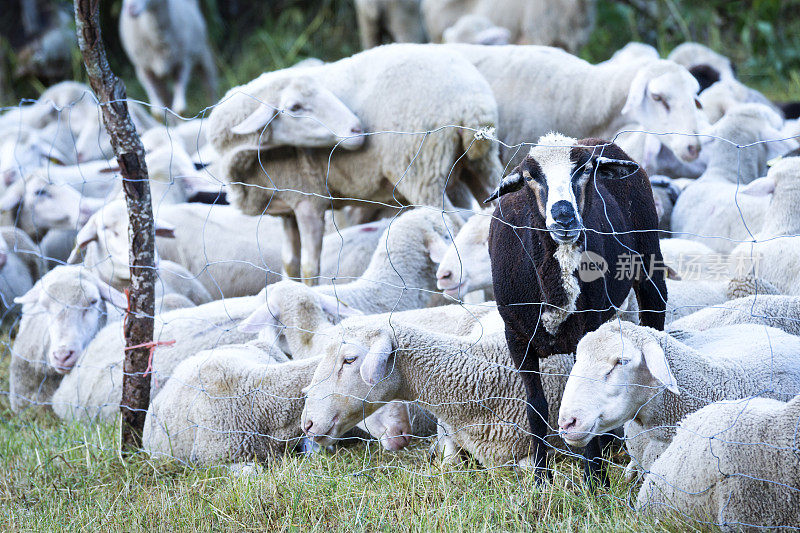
[(464, 236)]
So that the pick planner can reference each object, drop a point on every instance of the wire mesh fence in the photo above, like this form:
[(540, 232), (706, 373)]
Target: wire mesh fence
[(395, 341)]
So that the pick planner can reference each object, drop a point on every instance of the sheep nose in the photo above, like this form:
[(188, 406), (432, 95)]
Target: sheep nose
[(567, 424), (563, 213), (307, 426), (445, 275)]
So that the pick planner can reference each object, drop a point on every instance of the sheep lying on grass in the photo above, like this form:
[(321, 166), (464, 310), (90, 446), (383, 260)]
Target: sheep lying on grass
[(734, 462), (627, 373)]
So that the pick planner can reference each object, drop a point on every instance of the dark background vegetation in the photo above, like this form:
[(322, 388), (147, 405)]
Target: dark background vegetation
[(252, 36)]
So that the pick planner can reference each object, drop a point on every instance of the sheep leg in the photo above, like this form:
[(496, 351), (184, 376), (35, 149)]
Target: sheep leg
[(179, 98), (593, 469), (651, 293), (155, 89), (311, 225), (290, 251)]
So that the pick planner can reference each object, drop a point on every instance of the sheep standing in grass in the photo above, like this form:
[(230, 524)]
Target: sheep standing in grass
[(658, 95), (735, 462), (397, 21), (275, 136), (649, 379), (571, 202), (165, 40)]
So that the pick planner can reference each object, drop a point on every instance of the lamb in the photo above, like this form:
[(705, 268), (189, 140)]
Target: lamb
[(734, 461), (692, 54), (20, 266), (658, 95), (774, 253), (164, 40), (467, 383), (243, 403), (389, 20), (94, 386), (570, 202), (651, 379), (476, 29), (106, 254), (563, 23), (70, 305), (331, 105), (736, 156)]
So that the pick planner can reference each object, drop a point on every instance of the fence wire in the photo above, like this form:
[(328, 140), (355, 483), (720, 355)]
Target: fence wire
[(399, 343)]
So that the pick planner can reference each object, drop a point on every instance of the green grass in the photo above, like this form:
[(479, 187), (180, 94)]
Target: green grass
[(70, 477)]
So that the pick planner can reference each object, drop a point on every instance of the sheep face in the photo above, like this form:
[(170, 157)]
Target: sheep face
[(465, 266), (662, 98), (301, 112), (75, 302), (47, 205), (353, 380), (23, 152), (558, 170), (614, 376)]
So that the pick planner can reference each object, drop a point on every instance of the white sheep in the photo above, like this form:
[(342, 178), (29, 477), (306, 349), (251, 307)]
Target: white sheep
[(389, 20), (777, 311), (476, 29), (20, 266), (468, 383), (718, 210), (658, 95), (242, 403), (61, 314), (563, 23), (628, 373), (687, 296), (727, 93), (332, 105), (106, 253), (734, 462), (94, 386), (164, 40), (774, 253), (633, 52)]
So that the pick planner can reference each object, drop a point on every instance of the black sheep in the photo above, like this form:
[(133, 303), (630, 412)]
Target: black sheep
[(565, 199)]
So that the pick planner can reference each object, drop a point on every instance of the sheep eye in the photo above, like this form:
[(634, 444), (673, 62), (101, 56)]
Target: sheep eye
[(296, 107), (658, 98), (41, 192), (349, 359), (697, 104)]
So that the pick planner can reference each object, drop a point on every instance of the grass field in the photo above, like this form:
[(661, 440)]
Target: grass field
[(70, 477)]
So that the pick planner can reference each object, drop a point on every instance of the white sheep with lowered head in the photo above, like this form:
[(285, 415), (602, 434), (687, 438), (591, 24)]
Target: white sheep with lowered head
[(242, 403), (650, 379), (774, 310), (467, 382), (724, 95), (397, 21), (658, 95), (165, 40), (465, 265), (265, 132), (690, 54), (734, 462)]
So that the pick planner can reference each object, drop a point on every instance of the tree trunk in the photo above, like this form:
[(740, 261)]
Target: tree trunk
[(128, 148)]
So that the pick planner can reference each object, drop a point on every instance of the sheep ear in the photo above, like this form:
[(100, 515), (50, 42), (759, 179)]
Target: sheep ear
[(30, 297), (377, 363), (112, 295), (636, 93), (87, 234), (259, 319), (759, 187), (436, 248), (257, 120), (657, 363), (511, 183), (622, 167), (335, 308), (493, 36)]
